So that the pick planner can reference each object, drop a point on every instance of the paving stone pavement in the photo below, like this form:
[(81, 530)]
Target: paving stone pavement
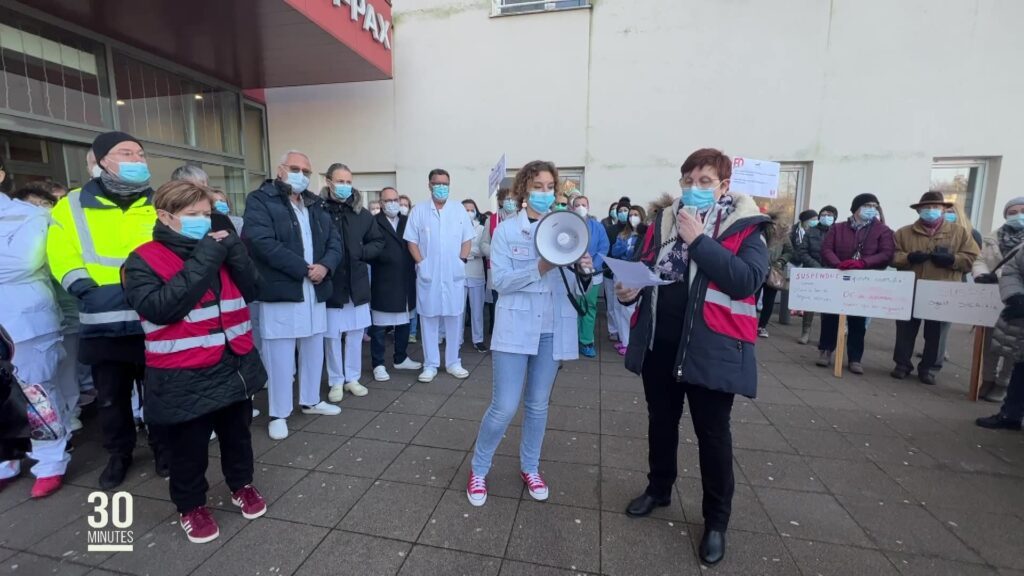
[(862, 475)]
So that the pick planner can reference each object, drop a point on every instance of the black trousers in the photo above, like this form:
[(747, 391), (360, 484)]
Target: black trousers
[(906, 338), (768, 295), (710, 411), (190, 446), (856, 328), (378, 344), (114, 383)]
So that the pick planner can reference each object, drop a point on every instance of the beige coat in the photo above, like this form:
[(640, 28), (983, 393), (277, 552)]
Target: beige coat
[(954, 238)]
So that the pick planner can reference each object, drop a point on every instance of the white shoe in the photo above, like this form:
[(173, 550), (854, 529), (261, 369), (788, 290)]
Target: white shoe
[(458, 371), (278, 429), (409, 364), (75, 424), (428, 375), (356, 388), (337, 393), (255, 412), (380, 374), (323, 409)]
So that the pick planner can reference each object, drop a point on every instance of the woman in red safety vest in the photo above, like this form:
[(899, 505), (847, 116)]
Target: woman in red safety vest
[(191, 288)]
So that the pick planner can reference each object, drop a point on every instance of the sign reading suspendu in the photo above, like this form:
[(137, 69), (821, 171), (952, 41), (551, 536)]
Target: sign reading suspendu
[(868, 293), (372, 21)]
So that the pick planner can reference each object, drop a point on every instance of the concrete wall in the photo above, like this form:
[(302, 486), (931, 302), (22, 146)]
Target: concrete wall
[(869, 91)]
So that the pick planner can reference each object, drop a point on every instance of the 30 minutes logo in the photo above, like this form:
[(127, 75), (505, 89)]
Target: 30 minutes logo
[(110, 522)]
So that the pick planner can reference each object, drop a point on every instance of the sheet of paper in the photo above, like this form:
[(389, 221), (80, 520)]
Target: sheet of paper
[(496, 176), (633, 274), (755, 177)]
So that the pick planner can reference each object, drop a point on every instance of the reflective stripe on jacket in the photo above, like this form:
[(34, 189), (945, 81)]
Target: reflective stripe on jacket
[(735, 318), (89, 239), (198, 340)]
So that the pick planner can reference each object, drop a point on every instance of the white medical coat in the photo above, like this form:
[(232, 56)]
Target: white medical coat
[(441, 274)]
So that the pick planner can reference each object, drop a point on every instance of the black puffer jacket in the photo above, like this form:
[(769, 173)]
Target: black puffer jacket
[(175, 396), (275, 241), (363, 242), (808, 252)]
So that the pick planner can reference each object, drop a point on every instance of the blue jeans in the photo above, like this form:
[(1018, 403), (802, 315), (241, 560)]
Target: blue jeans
[(413, 324), (1013, 405), (510, 370)]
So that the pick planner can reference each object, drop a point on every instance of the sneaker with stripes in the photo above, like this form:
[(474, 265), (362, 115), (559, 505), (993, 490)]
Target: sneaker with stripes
[(533, 481), (476, 489), (250, 501), (199, 525)]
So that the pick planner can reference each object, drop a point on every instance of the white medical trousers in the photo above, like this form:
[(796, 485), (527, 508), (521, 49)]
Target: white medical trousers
[(429, 329), (476, 311), (279, 359), (344, 357)]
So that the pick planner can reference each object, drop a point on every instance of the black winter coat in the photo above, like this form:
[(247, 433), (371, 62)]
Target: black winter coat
[(808, 252), (394, 270), (363, 241), (175, 396), (275, 242)]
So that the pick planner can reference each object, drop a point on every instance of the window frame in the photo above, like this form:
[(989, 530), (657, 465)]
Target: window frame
[(501, 8), (981, 188)]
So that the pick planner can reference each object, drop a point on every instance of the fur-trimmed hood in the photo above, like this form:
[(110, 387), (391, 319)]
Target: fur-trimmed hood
[(744, 208), (355, 201)]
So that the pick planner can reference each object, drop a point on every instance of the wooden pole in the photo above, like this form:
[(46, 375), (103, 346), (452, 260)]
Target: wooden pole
[(840, 346), (977, 362)]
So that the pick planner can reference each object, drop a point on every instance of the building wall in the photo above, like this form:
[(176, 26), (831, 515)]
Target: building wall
[(868, 91)]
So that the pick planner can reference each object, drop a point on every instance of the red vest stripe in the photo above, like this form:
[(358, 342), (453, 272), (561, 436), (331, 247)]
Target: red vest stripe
[(724, 315), (198, 340)]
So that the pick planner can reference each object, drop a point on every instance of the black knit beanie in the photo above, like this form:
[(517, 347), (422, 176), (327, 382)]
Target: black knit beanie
[(862, 199), (808, 215), (103, 143)]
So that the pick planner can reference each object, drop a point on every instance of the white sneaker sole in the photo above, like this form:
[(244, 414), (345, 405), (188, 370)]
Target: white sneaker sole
[(460, 376), (195, 540), (357, 392), (337, 394), (385, 378), (238, 503), (319, 412), (474, 502), (538, 496), (426, 379)]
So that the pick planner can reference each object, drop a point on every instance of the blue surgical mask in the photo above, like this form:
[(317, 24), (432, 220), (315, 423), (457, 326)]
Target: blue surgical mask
[(812, 223), (344, 191), (930, 214), (541, 202), (699, 198), (440, 191), (298, 181), (221, 206), (868, 214), (827, 220), (133, 172), (195, 227), (613, 214), (950, 216), (1015, 221), (509, 206), (622, 216)]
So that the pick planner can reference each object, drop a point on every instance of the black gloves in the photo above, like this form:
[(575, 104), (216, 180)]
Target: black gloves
[(1014, 307), (918, 257), (943, 259), (986, 278)]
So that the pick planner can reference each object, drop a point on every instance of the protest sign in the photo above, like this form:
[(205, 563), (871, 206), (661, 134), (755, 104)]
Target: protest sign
[(496, 176), (868, 293), (755, 177), (958, 302)]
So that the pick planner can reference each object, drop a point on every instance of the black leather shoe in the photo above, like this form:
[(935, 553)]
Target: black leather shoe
[(997, 422), (926, 378), (644, 504), (712, 547), (899, 373), (163, 464), (113, 475)]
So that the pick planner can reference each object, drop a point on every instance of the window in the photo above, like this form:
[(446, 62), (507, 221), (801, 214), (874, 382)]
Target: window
[(962, 181), (507, 7), (47, 72), (157, 105), (254, 127)]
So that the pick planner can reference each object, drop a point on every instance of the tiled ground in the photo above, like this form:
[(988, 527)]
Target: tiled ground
[(859, 476)]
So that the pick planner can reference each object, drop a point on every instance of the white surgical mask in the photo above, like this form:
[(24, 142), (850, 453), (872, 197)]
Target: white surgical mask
[(96, 171), (582, 211), (404, 210), (392, 208), (634, 221)]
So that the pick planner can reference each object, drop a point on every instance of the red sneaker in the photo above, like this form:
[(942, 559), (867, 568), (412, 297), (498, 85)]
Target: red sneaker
[(533, 481), (46, 486), (250, 501), (476, 489), (620, 349), (199, 525)]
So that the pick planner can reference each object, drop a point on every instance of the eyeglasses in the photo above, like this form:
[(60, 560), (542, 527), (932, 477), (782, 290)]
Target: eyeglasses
[(562, 205), (297, 169), (125, 153), (704, 182)]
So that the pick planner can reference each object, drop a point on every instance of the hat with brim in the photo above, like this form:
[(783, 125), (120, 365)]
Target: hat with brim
[(931, 197)]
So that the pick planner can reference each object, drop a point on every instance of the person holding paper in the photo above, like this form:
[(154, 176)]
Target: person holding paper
[(694, 337), (808, 255), (863, 242), (534, 331), (934, 249), (995, 377)]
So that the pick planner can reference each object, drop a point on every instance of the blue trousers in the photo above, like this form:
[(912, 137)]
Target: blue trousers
[(511, 372)]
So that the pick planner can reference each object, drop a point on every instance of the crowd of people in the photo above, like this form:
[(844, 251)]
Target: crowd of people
[(181, 311)]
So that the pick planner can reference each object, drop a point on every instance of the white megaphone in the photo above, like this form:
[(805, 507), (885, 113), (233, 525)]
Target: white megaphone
[(562, 238)]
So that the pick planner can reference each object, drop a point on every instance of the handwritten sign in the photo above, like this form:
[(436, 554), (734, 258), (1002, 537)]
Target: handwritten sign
[(755, 177), (958, 302), (496, 176), (869, 293)]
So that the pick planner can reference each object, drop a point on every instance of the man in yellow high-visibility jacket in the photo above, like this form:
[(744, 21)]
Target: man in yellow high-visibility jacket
[(93, 231)]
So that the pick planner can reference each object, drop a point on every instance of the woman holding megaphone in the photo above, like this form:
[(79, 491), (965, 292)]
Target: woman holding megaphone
[(535, 328)]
